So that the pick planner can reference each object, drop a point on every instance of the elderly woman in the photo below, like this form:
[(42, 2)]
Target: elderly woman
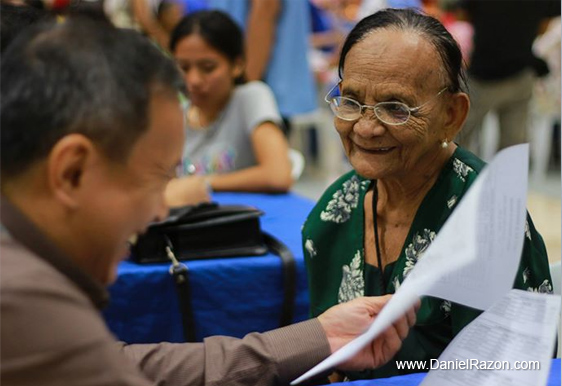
[(400, 104)]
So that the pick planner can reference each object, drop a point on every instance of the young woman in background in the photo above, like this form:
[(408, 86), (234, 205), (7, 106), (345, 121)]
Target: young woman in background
[(233, 136)]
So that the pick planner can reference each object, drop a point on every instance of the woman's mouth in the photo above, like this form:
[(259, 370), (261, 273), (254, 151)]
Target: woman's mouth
[(375, 149)]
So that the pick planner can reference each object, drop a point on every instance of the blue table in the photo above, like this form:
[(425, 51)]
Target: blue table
[(232, 296), (416, 379)]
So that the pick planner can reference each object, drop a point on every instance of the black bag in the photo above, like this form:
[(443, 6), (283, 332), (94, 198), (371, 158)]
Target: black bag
[(201, 232), (206, 231)]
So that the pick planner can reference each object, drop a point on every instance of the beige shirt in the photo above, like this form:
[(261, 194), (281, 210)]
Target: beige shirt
[(52, 332)]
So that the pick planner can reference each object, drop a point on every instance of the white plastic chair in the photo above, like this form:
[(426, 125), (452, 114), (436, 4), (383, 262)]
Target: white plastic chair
[(330, 151), (297, 163), (542, 130)]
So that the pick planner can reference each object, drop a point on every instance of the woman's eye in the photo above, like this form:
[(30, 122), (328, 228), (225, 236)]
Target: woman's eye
[(396, 108), (208, 68)]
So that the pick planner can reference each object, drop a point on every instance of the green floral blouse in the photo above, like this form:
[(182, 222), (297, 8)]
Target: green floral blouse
[(337, 272)]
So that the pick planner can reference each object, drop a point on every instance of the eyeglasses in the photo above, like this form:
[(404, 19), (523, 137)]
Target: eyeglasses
[(391, 113)]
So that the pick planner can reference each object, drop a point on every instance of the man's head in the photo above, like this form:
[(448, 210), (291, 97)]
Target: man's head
[(15, 18), (92, 130)]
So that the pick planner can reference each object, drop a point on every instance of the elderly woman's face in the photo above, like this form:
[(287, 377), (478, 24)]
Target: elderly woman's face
[(391, 65)]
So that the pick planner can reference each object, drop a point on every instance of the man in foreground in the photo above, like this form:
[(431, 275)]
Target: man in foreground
[(92, 130)]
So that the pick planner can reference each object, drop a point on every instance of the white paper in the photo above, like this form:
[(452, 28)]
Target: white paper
[(519, 327), (469, 253), (499, 233)]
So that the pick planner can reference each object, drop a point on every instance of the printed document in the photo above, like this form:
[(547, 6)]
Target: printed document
[(509, 344)]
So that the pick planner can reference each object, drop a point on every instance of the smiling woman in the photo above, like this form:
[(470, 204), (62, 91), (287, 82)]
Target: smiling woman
[(400, 105)]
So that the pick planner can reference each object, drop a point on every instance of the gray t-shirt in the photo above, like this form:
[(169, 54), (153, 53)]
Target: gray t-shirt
[(226, 145)]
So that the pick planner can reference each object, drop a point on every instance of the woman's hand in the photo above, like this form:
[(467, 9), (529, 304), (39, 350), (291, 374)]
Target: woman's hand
[(188, 190), (346, 321)]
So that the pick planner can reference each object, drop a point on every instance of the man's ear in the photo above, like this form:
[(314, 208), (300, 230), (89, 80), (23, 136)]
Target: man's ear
[(457, 111), (66, 165)]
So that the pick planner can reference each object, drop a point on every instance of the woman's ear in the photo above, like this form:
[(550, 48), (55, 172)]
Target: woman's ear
[(238, 68), (457, 110)]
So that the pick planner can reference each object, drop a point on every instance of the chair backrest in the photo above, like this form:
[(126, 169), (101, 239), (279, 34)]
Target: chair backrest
[(297, 163)]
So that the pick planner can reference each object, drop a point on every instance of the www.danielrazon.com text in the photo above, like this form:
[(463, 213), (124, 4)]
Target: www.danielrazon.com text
[(467, 364)]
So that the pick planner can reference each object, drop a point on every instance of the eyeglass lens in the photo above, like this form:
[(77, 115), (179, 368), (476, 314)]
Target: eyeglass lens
[(388, 112)]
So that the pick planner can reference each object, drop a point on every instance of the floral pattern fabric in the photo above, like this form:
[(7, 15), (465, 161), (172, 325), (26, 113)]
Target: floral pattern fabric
[(416, 249), (333, 242), (343, 202), (461, 169), (352, 284)]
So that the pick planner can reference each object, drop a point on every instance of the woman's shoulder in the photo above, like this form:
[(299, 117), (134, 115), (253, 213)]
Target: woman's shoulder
[(461, 155), (254, 103), (251, 89), (463, 167)]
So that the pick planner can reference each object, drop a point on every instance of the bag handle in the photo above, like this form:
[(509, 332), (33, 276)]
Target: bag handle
[(289, 277), (180, 273)]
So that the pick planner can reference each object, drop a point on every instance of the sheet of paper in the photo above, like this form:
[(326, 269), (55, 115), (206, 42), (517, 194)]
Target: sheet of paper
[(500, 229), (467, 244), (517, 331)]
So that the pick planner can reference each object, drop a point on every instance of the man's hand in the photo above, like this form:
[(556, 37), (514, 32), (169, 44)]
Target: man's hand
[(346, 321), (190, 190)]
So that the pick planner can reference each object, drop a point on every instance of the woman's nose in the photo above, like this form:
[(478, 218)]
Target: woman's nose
[(193, 78), (368, 125)]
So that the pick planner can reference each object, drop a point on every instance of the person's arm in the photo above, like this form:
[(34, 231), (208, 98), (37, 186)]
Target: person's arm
[(273, 170), (188, 190), (275, 357), (171, 13), (147, 20), (260, 36)]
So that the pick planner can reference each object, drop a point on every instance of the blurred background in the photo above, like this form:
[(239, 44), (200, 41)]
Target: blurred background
[(323, 24)]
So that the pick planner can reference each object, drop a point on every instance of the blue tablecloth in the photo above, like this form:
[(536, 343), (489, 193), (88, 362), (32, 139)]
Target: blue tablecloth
[(232, 296), (416, 379)]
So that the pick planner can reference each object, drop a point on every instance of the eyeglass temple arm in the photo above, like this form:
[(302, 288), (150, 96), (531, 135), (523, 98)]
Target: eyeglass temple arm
[(423, 104), (326, 98)]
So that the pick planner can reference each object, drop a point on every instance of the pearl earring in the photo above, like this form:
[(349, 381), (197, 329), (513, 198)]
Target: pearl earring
[(444, 144)]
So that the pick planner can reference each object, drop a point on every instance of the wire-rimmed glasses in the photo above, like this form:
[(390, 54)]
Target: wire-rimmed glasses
[(391, 113)]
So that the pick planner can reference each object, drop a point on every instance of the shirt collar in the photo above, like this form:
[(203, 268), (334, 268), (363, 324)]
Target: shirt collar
[(25, 232)]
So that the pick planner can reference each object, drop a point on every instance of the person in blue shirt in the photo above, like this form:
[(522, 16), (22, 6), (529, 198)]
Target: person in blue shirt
[(277, 36)]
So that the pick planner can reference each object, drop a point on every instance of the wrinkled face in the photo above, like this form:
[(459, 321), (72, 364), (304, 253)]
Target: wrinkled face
[(208, 73), (392, 65), (131, 195)]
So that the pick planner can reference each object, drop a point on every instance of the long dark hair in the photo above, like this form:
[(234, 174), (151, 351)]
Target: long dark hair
[(217, 29)]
